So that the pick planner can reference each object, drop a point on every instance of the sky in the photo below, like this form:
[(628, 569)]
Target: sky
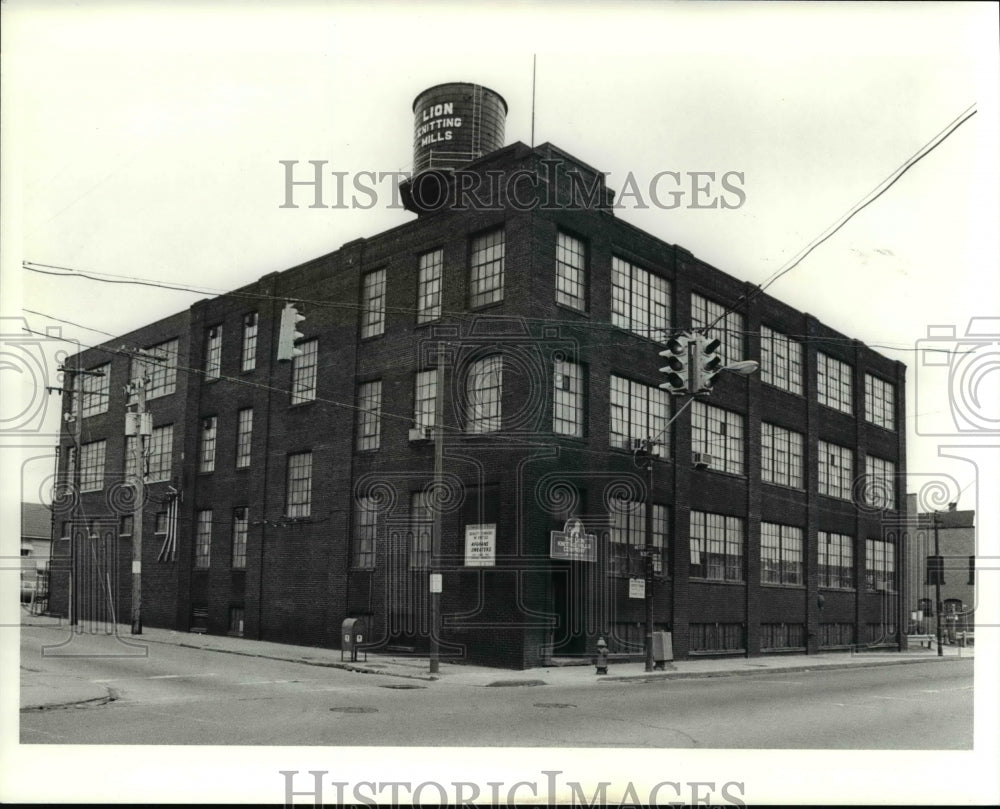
[(144, 140)]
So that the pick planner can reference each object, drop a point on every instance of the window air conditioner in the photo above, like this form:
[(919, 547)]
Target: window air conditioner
[(701, 460), (420, 433)]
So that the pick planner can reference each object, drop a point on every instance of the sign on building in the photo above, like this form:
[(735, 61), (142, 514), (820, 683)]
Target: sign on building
[(636, 588), (481, 545), (572, 543)]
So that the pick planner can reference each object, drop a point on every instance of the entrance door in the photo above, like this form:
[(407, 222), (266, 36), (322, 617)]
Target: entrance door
[(570, 608)]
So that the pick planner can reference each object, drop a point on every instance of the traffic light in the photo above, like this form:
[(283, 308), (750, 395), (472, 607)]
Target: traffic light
[(706, 363), (678, 367), (288, 334)]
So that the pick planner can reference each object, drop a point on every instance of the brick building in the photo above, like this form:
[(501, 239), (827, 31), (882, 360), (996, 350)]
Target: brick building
[(956, 541), (284, 497)]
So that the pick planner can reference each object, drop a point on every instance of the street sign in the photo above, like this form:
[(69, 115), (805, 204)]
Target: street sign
[(572, 543)]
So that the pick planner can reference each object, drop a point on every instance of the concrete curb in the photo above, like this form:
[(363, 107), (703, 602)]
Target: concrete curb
[(94, 702)]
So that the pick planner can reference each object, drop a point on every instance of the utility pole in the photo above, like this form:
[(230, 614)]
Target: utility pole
[(939, 572), (435, 575), (140, 427), (648, 555)]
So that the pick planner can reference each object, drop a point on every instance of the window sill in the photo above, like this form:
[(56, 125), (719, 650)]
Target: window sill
[(567, 307), (778, 586), (727, 582), (302, 404), (783, 649), (483, 306), (831, 588), (783, 390), (784, 486)]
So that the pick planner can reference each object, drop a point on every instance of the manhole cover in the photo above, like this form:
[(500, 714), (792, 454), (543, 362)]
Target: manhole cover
[(554, 705), (401, 686), (355, 709)]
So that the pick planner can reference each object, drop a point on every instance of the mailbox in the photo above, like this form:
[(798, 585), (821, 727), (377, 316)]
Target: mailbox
[(353, 633), (663, 648)]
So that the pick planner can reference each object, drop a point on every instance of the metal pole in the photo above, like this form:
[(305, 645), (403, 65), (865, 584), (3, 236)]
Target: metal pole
[(140, 494), (436, 528), (938, 573), (648, 590), (77, 393)]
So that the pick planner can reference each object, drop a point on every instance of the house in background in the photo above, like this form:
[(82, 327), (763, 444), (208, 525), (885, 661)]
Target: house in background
[(36, 549)]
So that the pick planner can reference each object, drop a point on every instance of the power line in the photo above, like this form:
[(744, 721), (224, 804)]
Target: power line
[(885, 185)]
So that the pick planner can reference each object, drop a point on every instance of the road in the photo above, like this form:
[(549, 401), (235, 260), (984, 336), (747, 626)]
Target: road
[(180, 695)]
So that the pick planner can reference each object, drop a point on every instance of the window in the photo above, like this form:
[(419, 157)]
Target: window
[(96, 390), (716, 547), (213, 353), (833, 383), (780, 554), (972, 570), (640, 301), (836, 470), (880, 565), (567, 398), (299, 492), (638, 411), (833, 634), (203, 539), (926, 606), (728, 326), (880, 483), (126, 525), (719, 434), (160, 522), (628, 530), (836, 560), (304, 367), (781, 460), (429, 286), (716, 638), (244, 437), (880, 402), (782, 636), (206, 453), (161, 373), (236, 621), (240, 526), (249, 359), (92, 457), (486, 268), (780, 360), (421, 526), (424, 399), (373, 304), (158, 461), (571, 272), (484, 386), (365, 532), (369, 415)]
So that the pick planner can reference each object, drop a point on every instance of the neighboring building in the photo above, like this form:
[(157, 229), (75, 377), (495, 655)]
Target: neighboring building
[(36, 548), (956, 544), (286, 497)]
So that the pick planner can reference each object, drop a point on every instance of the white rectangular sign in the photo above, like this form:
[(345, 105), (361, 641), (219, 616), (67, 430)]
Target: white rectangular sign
[(436, 583), (636, 588), (480, 545)]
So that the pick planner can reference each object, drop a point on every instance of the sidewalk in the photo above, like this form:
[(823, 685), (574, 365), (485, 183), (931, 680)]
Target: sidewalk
[(417, 668)]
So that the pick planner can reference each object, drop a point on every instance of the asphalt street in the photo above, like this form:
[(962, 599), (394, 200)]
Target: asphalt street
[(179, 695)]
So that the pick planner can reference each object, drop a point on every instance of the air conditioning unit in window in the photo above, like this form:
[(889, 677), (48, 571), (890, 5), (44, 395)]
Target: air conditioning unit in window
[(420, 433), (701, 460)]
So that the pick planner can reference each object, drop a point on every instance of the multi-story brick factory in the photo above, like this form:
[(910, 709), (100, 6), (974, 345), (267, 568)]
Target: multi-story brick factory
[(283, 497)]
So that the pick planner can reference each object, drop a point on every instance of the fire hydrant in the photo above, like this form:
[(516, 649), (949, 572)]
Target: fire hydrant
[(602, 656)]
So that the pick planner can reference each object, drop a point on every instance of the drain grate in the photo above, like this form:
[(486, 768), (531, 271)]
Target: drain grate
[(554, 705), (355, 709)]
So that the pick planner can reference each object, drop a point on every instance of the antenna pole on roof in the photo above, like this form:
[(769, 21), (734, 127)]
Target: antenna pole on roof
[(534, 59)]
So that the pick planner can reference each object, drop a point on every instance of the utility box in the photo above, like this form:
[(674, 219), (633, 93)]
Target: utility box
[(663, 647), (353, 634)]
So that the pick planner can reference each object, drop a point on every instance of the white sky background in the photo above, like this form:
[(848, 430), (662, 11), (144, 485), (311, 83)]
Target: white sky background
[(144, 140)]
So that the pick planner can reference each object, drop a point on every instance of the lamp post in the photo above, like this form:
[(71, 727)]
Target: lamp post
[(938, 574)]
